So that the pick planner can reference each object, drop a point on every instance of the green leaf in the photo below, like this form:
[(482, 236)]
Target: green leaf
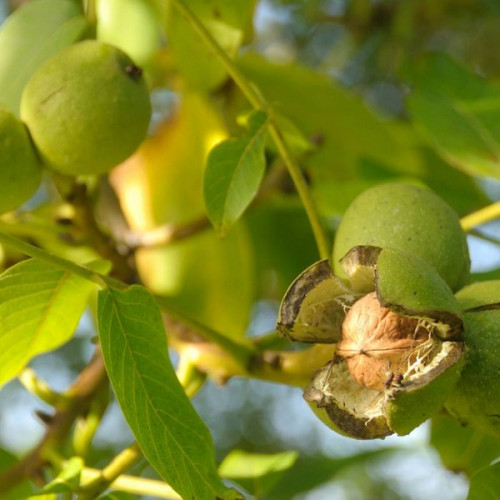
[(66, 481), (21, 490), (346, 130), (228, 21), (233, 174), (457, 113), (257, 473), (32, 34), (460, 448), (40, 307), (131, 25), (485, 483), (311, 471), (170, 433)]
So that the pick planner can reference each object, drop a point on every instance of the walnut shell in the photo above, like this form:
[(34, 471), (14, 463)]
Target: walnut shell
[(379, 344)]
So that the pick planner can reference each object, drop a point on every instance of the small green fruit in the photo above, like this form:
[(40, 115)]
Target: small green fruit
[(408, 218), (20, 171), (87, 108), (476, 399)]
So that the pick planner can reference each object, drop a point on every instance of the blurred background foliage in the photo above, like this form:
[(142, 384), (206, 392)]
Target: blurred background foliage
[(365, 91)]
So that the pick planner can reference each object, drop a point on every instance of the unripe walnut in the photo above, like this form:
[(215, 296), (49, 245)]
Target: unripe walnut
[(407, 218), (378, 344), (87, 108)]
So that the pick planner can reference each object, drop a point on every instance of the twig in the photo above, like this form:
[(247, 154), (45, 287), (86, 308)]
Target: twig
[(486, 214), (135, 485), (166, 234), (258, 102), (241, 352), (120, 463), (80, 395)]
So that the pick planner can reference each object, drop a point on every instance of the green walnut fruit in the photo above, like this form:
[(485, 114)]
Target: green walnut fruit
[(20, 170), (87, 108), (476, 398), (408, 218)]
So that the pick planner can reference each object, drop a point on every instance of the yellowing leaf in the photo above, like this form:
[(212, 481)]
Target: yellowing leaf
[(211, 280)]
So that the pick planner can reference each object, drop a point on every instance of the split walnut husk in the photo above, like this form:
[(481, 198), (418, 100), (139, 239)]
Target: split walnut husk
[(475, 399), (399, 349)]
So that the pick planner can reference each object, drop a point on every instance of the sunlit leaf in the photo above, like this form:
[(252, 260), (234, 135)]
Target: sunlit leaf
[(457, 113), (162, 182), (485, 483), (257, 473), (161, 185), (32, 34), (233, 174), (170, 433), (40, 307)]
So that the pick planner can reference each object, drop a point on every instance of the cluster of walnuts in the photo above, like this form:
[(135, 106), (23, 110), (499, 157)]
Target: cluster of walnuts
[(83, 111), (413, 336)]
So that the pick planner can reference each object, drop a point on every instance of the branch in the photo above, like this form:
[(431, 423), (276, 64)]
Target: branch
[(287, 367), (80, 396), (486, 214), (258, 102), (241, 352)]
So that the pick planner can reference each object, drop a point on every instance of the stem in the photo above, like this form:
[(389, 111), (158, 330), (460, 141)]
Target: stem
[(38, 253), (39, 388), (240, 352), (190, 377), (258, 102), (481, 216), (106, 476), (81, 393), (135, 485)]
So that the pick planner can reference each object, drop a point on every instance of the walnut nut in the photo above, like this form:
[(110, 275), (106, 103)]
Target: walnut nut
[(379, 344)]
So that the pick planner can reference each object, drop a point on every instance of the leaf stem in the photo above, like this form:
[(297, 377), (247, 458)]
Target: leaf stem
[(242, 353), (120, 463), (38, 253), (82, 392), (189, 376), (135, 485), (481, 216), (258, 102), (39, 388)]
